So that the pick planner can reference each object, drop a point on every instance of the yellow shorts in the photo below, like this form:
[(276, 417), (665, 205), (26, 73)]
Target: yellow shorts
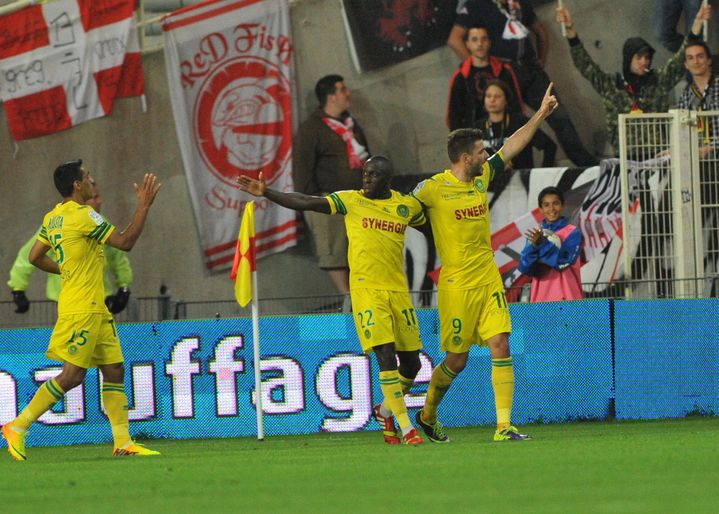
[(383, 317), (85, 340), (471, 316)]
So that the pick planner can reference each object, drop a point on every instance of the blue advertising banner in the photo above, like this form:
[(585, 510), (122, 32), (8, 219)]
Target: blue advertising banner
[(195, 379), (667, 358)]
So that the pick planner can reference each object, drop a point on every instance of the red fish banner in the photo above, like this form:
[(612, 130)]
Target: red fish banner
[(229, 69)]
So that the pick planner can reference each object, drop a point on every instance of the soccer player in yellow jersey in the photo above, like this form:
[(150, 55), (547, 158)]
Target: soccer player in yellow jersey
[(376, 219), (472, 302), (84, 335)]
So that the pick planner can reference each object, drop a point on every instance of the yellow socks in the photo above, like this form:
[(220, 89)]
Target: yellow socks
[(389, 381), (115, 400), (406, 384), (46, 396), (503, 383), (442, 378)]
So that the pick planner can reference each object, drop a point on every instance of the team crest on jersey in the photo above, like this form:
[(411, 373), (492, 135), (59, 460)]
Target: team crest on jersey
[(403, 210), (479, 185), (72, 349), (368, 334), (456, 339)]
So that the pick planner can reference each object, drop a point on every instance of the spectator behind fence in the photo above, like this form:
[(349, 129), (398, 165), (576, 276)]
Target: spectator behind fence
[(702, 94), (637, 88), (117, 271), (466, 90), (508, 23), (552, 254), (501, 122), (666, 17), (329, 152)]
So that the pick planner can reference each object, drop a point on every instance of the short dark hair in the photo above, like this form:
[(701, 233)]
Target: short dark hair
[(381, 163), (551, 190), (326, 86), (699, 42), (462, 141), (465, 36), (65, 176)]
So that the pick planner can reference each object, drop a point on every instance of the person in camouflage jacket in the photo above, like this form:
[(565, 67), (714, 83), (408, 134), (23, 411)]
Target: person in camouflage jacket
[(638, 88)]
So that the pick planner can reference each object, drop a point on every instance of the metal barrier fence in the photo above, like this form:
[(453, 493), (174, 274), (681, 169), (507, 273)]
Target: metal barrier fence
[(158, 308), (670, 203)]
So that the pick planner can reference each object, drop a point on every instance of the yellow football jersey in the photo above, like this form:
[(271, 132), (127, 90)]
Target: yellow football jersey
[(459, 214), (376, 229), (76, 233)]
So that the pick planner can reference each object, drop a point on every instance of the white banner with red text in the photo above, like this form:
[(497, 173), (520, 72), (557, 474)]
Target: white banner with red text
[(65, 62), (229, 69)]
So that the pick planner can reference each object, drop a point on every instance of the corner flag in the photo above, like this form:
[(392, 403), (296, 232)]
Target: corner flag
[(244, 264), (245, 276)]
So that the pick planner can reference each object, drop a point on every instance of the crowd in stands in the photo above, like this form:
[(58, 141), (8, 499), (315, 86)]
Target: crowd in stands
[(503, 48)]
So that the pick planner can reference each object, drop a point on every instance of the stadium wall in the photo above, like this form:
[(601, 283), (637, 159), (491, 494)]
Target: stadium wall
[(401, 108), (195, 379)]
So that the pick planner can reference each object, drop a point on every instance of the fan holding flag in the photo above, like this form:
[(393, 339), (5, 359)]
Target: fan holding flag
[(376, 219)]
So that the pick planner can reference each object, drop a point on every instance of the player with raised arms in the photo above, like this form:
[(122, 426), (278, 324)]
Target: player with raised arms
[(376, 219), (84, 335), (472, 302)]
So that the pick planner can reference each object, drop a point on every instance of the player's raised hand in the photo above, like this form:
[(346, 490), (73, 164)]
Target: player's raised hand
[(252, 186), (549, 102), (148, 191)]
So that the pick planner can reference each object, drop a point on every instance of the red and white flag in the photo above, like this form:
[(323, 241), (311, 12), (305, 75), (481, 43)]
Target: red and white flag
[(65, 62), (229, 69)]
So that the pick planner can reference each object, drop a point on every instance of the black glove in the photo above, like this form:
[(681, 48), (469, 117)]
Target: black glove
[(21, 302), (118, 301)]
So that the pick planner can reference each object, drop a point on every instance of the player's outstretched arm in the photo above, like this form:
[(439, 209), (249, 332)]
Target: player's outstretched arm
[(38, 257), (520, 139), (145, 195), (296, 201)]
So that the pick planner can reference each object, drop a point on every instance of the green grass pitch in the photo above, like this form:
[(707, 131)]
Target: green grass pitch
[(667, 466)]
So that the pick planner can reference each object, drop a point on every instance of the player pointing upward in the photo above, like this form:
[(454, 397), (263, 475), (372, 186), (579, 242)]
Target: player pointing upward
[(472, 303)]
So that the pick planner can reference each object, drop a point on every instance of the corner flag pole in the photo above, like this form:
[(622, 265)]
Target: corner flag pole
[(258, 371), (244, 273)]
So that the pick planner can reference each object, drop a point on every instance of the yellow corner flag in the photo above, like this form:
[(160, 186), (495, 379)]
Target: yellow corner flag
[(244, 264)]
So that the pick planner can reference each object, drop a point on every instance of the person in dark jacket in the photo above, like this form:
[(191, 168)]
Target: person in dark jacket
[(501, 122), (509, 23), (329, 151), (638, 88), (466, 90)]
